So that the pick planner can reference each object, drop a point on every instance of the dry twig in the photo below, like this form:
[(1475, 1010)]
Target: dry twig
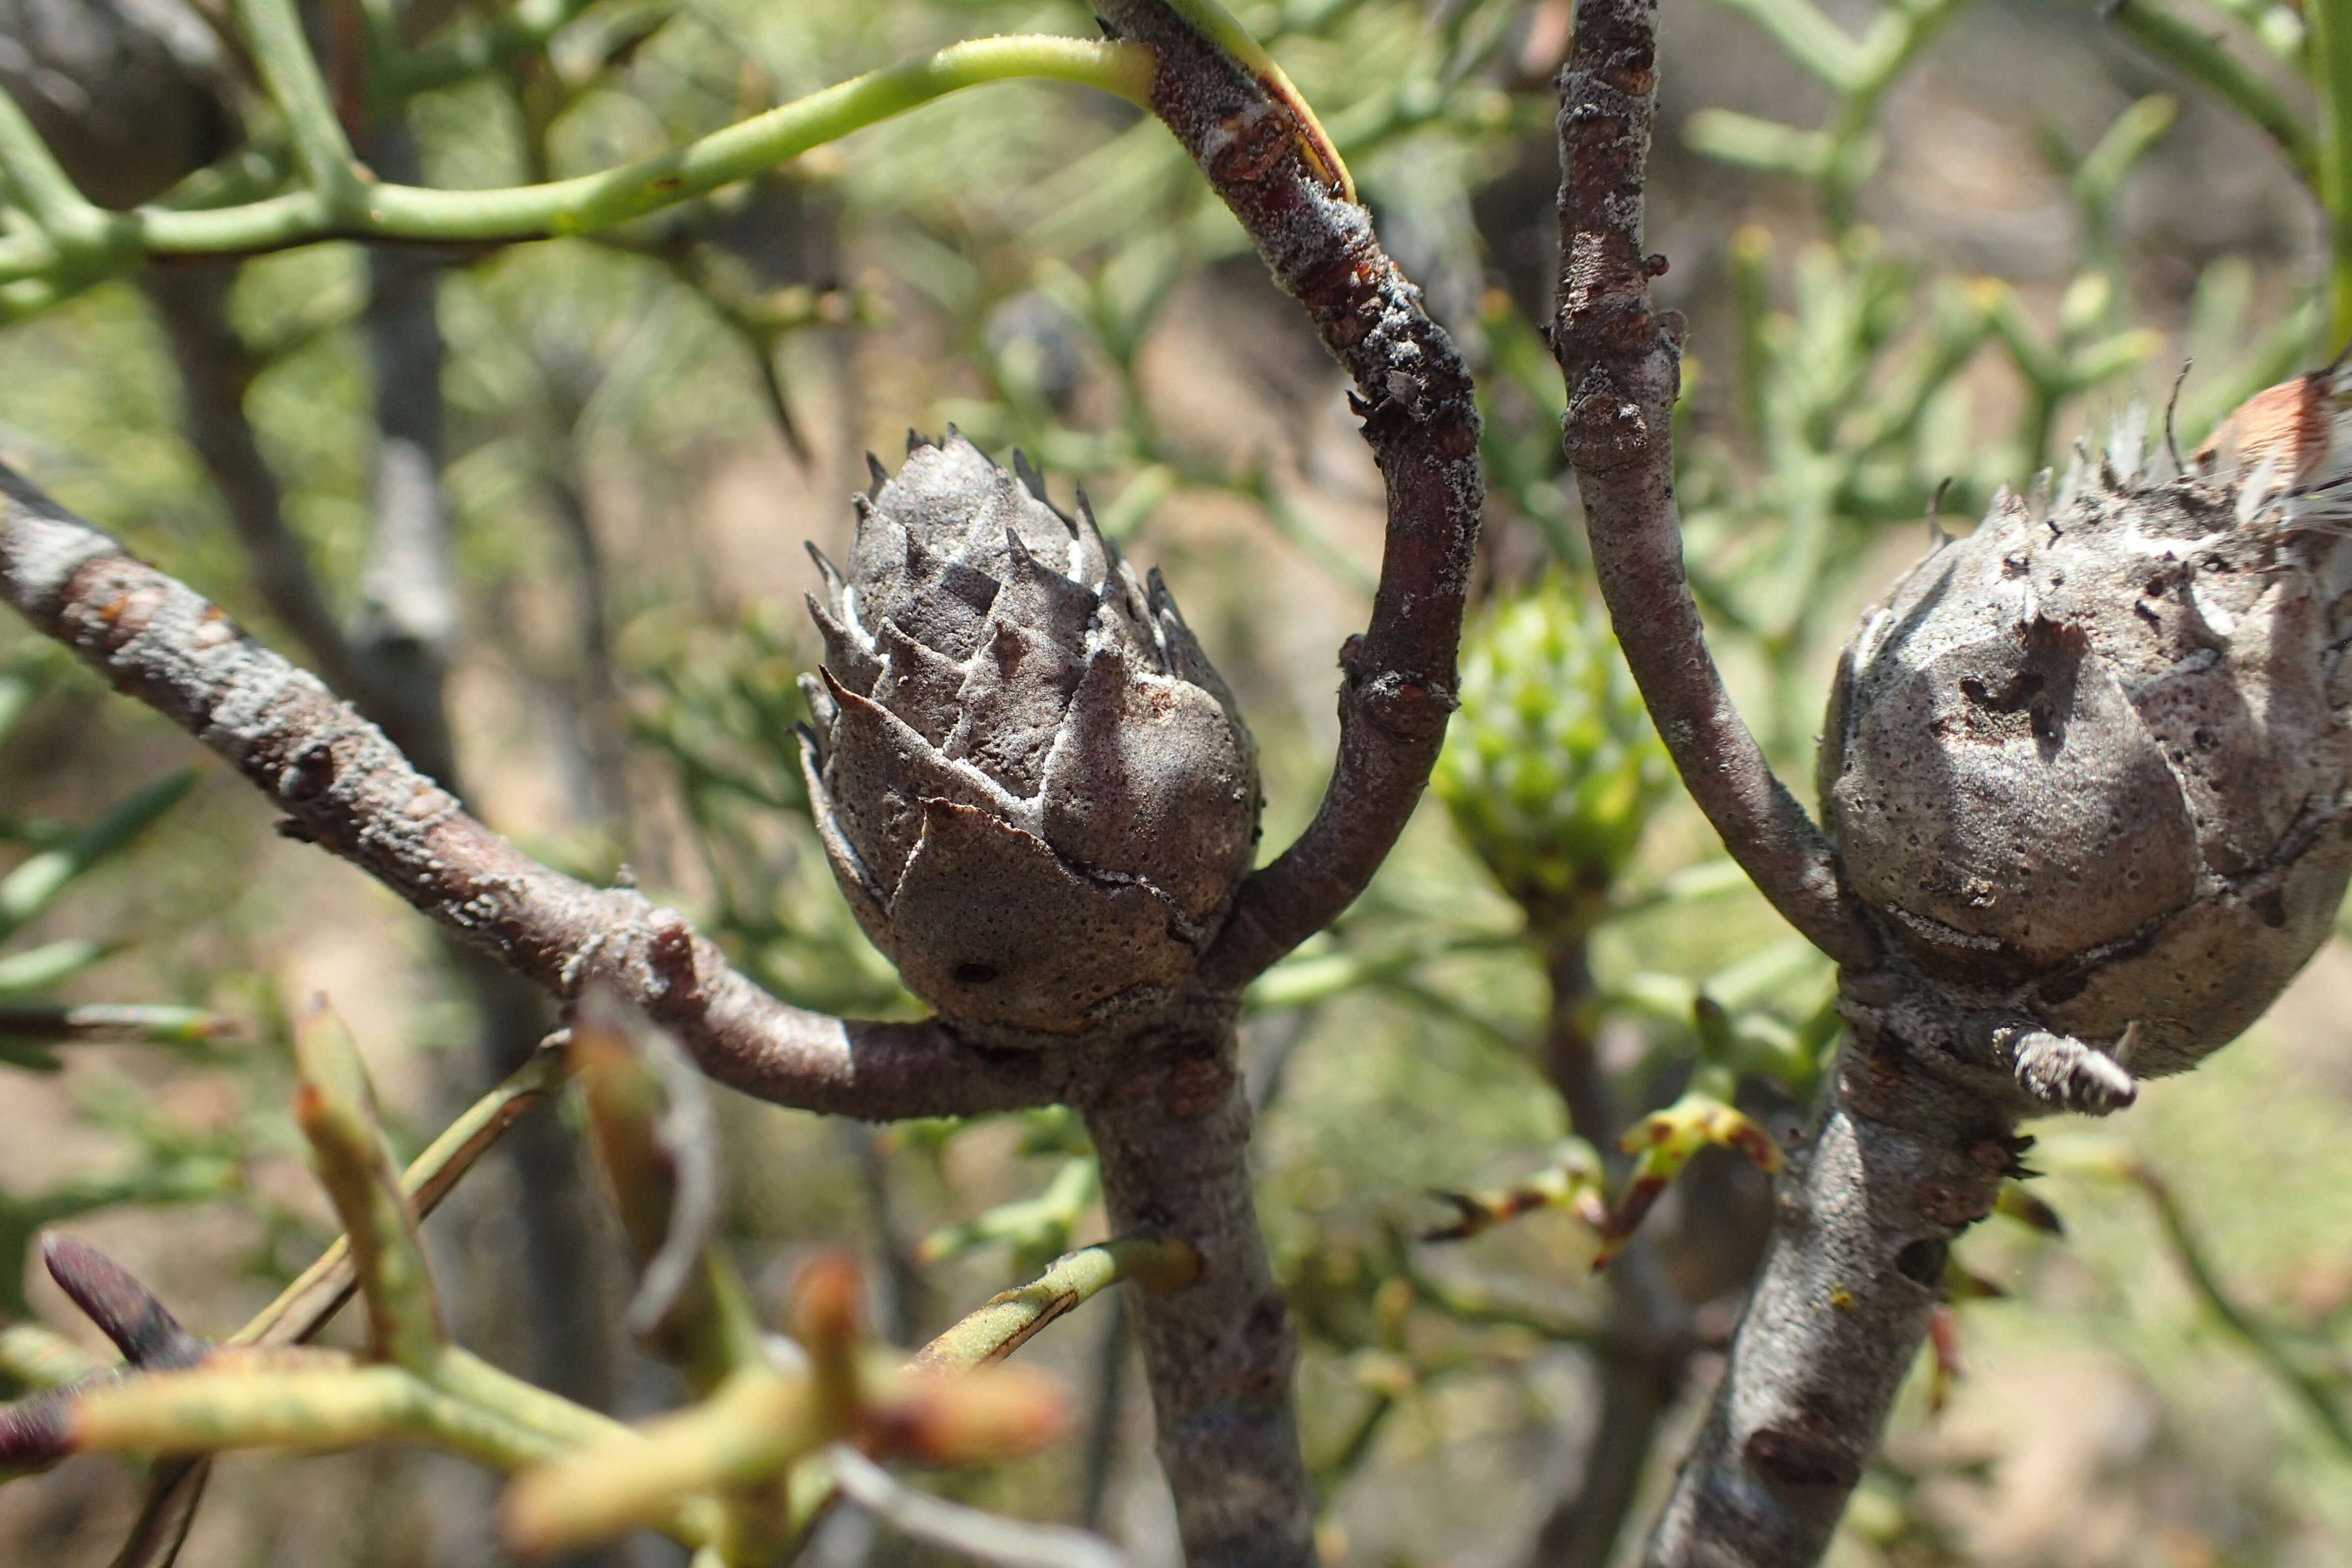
[(344, 787)]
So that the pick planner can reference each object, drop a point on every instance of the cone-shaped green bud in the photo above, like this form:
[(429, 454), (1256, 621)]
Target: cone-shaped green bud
[(1551, 767), (1036, 792)]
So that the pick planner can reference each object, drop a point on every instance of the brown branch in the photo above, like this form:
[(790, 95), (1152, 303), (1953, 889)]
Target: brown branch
[(1420, 417), (403, 636), (1172, 1128), (1172, 1133), (1623, 363), (1646, 1355), (1903, 1161), (346, 788)]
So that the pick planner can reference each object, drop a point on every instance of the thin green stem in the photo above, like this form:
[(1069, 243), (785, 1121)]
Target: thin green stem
[(72, 224), (1815, 41), (40, 1358), (312, 1408), (27, 253), (273, 31), (334, 1107), (746, 1434), (2163, 34), (1893, 42), (2257, 1336), (382, 22), (598, 201), (466, 1377), (2331, 58), (304, 1307), (40, 271), (36, 883), (275, 223), (1333, 1472), (28, 297), (1004, 1325)]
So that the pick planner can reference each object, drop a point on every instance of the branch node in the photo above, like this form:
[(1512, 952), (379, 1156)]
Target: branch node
[(669, 952)]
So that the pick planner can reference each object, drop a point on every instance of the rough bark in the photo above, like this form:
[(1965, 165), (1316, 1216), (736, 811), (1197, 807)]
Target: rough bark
[(403, 640), (346, 788), (1420, 417), (1167, 1105), (1172, 1130), (1902, 1162), (1901, 1159), (1622, 365)]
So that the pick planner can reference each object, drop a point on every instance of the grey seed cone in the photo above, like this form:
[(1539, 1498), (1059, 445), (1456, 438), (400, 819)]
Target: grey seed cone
[(1034, 789), (2090, 765)]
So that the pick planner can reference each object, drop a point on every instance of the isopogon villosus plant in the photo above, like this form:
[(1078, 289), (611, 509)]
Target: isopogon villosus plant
[(1034, 790), (2089, 767)]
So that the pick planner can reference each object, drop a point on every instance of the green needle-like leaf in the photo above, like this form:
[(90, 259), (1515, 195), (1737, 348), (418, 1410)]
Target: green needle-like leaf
[(336, 1110), (31, 887)]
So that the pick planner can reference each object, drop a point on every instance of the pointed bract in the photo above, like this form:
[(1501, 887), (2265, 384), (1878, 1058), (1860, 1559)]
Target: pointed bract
[(1033, 788), (2088, 772)]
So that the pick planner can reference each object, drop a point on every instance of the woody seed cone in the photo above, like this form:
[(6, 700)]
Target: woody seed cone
[(1034, 790), (2090, 767)]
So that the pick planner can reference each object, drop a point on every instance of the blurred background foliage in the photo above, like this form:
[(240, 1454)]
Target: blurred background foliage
[(1923, 245)]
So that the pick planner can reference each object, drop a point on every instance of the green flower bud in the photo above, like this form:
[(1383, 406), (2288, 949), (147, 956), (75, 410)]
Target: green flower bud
[(1551, 768)]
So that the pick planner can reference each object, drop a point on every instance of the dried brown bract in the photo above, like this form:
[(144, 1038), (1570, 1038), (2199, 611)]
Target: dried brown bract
[(1036, 792), (2089, 769)]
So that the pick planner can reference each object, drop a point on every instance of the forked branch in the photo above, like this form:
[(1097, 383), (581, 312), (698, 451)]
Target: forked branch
[(1169, 1118), (1264, 155), (1623, 363), (1900, 1160)]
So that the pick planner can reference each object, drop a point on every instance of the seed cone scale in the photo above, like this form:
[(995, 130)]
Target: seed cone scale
[(2089, 766), (1034, 790)]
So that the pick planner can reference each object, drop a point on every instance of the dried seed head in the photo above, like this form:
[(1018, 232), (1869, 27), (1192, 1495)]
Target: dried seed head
[(1034, 790), (1551, 767), (2090, 768)]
